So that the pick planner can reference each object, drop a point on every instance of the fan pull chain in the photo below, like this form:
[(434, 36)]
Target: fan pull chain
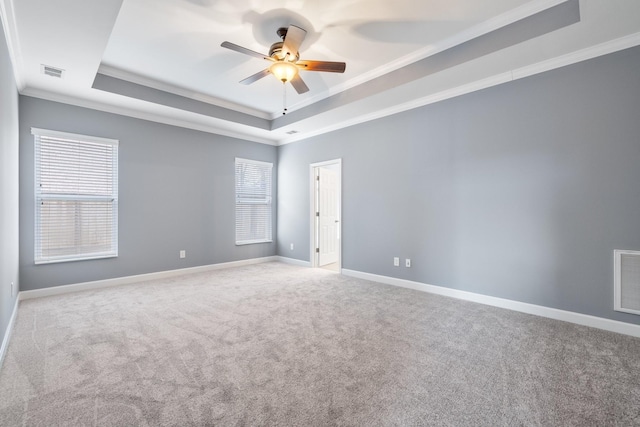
[(284, 98)]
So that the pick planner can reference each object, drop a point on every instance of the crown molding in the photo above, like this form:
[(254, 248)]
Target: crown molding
[(611, 46), (476, 31), (152, 117), (13, 42), (595, 51), (177, 90), (416, 103)]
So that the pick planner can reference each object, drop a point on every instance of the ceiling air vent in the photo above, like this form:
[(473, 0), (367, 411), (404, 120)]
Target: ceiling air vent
[(291, 132), (52, 71)]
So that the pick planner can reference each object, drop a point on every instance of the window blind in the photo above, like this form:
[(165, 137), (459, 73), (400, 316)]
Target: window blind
[(76, 179), (253, 201)]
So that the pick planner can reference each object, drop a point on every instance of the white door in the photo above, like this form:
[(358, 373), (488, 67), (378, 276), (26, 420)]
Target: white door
[(328, 225)]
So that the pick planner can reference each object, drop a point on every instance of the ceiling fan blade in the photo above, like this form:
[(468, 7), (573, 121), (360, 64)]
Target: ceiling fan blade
[(326, 66), (255, 77), (244, 50), (299, 84), (292, 41)]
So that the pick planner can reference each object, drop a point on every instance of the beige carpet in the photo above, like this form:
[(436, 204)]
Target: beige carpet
[(273, 344)]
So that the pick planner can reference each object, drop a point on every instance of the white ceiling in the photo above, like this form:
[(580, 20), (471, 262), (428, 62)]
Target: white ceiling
[(174, 46)]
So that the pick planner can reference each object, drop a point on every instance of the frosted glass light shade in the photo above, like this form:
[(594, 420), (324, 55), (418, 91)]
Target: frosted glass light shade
[(284, 71)]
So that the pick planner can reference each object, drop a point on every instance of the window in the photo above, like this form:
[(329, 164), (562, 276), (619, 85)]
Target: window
[(253, 201), (76, 180)]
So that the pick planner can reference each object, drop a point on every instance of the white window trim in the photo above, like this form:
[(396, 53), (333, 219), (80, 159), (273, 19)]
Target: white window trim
[(73, 136), (38, 259), (269, 203)]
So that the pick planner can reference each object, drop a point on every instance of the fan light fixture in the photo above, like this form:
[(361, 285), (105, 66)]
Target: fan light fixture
[(285, 61), (283, 70)]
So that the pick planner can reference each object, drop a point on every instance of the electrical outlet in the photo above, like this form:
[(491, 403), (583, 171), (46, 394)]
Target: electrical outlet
[(183, 254), (396, 261), (292, 246), (407, 262)]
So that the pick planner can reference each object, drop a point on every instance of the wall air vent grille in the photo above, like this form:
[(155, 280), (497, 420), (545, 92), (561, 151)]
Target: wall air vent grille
[(52, 71), (627, 281)]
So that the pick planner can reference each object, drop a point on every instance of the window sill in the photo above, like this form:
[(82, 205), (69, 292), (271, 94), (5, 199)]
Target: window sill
[(84, 258), (251, 242)]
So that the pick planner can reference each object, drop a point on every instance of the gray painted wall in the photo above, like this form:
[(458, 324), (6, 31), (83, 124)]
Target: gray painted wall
[(520, 191), (176, 191), (8, 185)]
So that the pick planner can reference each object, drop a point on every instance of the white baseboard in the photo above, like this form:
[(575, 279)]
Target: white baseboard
[(552, 313), (538, 310), (98, 284), (294, 261), (7, 332)]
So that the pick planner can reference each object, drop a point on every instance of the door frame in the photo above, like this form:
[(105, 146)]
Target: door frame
[(313, 231)]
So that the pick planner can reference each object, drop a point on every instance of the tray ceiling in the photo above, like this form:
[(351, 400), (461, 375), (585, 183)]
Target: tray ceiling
[(161, 59)]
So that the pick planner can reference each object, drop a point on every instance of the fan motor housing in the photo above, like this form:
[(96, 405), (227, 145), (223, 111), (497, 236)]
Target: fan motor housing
[(275, 51)]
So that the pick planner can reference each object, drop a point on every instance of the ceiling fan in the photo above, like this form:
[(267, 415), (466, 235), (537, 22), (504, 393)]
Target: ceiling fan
[(285, 59)]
